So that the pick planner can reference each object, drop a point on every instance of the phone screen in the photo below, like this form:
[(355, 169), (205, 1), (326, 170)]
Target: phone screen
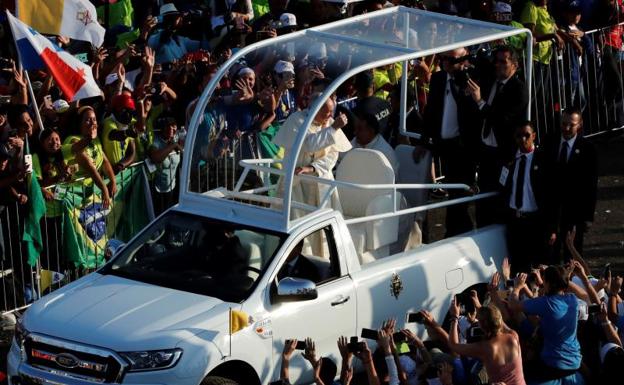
[(369, 334)]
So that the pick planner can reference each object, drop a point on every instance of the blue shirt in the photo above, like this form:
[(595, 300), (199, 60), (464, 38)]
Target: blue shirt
[(558, 319), (173, 48)]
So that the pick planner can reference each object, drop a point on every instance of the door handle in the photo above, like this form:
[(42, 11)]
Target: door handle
[(340, 300)]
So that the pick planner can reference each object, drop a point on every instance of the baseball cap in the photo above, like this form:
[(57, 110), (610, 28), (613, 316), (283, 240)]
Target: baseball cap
[(374, 111), (168, 9), (283, 66), (60, 106), (574, 6), (122, 101), (288, 20), (501, 7), (318, 51)]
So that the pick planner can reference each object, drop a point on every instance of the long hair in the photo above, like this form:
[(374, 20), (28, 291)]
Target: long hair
[(490, 320)]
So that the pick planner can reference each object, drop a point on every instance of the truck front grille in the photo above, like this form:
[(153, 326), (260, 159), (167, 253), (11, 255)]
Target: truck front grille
[(74, 360)]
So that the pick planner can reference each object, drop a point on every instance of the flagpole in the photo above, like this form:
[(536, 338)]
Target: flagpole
[(28, 83), (230, 329)]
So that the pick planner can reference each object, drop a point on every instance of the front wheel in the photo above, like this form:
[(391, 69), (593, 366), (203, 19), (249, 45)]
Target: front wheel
[(212, 380)]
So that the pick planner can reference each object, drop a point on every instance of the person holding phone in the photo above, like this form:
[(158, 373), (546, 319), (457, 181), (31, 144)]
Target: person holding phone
[(560, 357), (499, 350)]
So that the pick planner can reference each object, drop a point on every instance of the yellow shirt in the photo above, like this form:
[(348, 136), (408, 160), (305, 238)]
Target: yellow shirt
[(544, 25), (115, 150), (93, 151)]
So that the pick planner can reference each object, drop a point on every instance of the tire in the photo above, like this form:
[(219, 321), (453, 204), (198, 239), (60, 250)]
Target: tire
[(212, 380)]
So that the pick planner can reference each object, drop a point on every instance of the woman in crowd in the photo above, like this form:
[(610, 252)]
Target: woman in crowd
[(499, 350), (165, 152), (85, 150)]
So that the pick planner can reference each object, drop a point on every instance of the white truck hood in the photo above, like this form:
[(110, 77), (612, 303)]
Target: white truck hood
[(124, 315)]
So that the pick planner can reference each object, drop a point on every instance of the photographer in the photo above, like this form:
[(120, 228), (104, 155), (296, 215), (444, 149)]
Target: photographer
[(167, 43), (165, 152), (118, 132)]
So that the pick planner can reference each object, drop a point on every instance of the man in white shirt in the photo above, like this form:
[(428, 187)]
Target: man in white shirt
[(528, 201)]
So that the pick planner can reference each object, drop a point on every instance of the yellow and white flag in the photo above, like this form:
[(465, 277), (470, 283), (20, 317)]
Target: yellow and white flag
[(76, 19), (49, 278), (238, 320)]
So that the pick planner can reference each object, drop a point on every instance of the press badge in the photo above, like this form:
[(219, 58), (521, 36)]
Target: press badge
[(503, 176)]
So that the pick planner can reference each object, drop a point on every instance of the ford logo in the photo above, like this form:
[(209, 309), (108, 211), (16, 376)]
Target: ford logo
[(67, 360)]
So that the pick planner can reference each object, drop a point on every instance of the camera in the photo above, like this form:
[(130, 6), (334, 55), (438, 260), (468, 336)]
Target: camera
[(354, 346), (415, 318), (5, 63), (399, 337), (593, 309), (155, 89)]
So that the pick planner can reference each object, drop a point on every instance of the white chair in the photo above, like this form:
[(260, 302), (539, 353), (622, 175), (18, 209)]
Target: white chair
[(411, 171), (371, 239)]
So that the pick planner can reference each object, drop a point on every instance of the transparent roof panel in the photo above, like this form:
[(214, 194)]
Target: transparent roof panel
[(413, 29), (237, 156)]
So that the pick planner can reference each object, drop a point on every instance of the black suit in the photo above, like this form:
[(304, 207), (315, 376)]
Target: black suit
[(576, 188), (457, 154), (303, 268), (527, 232), (507, 110)]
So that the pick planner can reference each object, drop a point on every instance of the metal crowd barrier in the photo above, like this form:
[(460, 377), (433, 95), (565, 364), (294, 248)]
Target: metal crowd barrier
[(591, 81), (20, 283)]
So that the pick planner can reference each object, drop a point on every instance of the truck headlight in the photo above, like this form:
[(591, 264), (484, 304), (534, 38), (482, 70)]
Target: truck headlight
[(152, 360)]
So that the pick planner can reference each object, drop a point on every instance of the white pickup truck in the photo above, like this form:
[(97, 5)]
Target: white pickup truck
[(159, 311)]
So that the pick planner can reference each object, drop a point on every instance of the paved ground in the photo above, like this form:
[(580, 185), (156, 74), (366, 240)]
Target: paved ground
[(604, 242)]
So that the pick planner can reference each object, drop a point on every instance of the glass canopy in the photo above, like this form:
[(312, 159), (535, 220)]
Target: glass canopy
[(238, 166)]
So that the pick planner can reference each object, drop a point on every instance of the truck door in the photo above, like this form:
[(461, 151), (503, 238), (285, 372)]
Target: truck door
[(323, 319)]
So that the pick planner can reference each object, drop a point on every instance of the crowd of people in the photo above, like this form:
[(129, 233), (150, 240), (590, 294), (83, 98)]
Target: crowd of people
[(469, 107), (557, 324)]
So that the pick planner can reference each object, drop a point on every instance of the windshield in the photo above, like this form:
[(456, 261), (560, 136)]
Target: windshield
[(198, 255)]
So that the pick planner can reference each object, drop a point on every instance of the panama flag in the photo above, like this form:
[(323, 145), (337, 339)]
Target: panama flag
[(72, 76), (73, 18)]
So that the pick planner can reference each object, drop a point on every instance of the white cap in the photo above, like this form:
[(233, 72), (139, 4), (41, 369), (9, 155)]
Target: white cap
[(501, 7), (288, 20), (60, 106), (284, 66), (606, 348), (110, 78), (318, 50), (166, 9)]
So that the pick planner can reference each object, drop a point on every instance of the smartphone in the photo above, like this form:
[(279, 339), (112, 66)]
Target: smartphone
[(415, 318), (300, 345), (166, 66), (476, 332), (593, 309), (369, 334), (607, 271), (509, 283), (5, 99), (399, 337)]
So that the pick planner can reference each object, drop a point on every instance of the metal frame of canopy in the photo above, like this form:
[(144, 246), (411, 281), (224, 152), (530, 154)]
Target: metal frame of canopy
[(280, 220)]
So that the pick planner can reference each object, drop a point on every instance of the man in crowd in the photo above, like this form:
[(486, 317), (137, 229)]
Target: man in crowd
[(448, 125), (573, 160), (118, 132), (502, 106), (526, 194), (371, 117)]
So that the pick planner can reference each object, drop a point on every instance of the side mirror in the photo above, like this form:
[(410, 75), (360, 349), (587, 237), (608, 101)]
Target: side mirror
[(296, 289), (111, 248)]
